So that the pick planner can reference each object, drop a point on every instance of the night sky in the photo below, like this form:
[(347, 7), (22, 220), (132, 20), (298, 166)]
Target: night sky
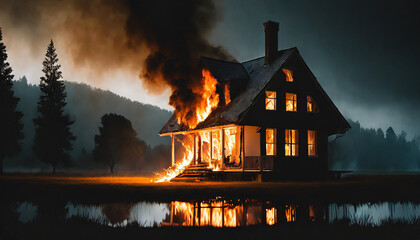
[(365, 54)]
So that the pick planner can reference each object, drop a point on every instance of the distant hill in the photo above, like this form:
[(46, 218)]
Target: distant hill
[(86, 105)]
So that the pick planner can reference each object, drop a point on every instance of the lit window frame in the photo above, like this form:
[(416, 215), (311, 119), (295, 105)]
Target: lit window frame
[(311, 103), (289, 74), (314, 144), (293, 100), (269, 98), (289, 144), (273, 143)]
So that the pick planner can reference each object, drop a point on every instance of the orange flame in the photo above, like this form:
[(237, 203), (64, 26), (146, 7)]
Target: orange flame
[(188, 155), (209, 100)]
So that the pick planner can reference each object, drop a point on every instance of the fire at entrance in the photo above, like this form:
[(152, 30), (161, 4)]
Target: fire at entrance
[(216, 149)]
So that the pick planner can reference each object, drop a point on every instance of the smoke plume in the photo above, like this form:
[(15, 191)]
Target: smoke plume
[(160, 41)]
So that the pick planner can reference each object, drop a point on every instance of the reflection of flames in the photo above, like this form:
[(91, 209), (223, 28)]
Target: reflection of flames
[(188, 155), (290, 213), (215, 214), (271, 216), (208, 101)]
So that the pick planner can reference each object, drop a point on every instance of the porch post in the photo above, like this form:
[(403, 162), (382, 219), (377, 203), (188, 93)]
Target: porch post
[(223, 149), (195, 149), (173, 149), (242, 146)]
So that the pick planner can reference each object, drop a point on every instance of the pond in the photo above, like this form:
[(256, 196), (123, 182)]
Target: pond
[(219, 212)]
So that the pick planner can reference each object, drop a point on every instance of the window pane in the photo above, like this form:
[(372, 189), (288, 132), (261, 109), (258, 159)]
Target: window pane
[(311, 142), (291, 102), (289, 75), (270, 137), (311, 105), (294, 136), (291, 142), (270, 104), (287, 149), (270, 94), (270, 100)]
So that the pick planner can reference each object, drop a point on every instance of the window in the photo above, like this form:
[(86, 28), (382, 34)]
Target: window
[(291, 102), (270, 141), (289, 75), (291, 142), (311, 143), (311, 105), (270, 100)]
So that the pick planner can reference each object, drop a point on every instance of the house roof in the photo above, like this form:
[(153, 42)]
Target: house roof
[(259, 75), (225, 70)]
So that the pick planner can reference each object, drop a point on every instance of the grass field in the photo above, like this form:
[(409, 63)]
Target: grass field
[(120, 188)]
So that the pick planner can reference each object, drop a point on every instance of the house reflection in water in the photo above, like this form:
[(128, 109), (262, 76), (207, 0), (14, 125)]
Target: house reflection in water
[(222, 213)]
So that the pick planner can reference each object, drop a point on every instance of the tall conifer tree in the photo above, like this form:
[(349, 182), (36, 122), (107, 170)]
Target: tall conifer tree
[(10, 119), (53, 138)]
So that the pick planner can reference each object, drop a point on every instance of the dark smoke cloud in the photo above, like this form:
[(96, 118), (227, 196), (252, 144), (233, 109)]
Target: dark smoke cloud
[(176, 36), (160, 40)]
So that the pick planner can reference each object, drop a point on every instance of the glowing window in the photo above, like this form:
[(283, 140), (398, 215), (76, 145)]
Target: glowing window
[(270, 100), (311, 143), (289, 75), (291, 142), (311, 105), (291, 102), (270, 141)]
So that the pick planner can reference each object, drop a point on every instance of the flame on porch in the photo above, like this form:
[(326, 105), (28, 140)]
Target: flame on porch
[(214, 148)]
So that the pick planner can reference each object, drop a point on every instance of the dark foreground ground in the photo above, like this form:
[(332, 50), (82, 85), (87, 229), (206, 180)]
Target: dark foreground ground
[(356, 188), (47, 189), (87, 230)]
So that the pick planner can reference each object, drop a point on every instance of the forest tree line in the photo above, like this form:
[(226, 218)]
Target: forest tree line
[(52, 138)]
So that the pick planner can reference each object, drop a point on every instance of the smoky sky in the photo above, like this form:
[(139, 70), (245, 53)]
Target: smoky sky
[(365, 54), (162, 39)]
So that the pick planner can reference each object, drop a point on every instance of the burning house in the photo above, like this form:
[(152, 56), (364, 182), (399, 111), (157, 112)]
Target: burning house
[(263, 118)]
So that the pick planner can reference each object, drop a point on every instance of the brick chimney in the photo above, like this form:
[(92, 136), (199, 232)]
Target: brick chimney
[(271, 41)]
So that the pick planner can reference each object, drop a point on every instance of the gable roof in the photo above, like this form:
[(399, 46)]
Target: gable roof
[(258, 75)]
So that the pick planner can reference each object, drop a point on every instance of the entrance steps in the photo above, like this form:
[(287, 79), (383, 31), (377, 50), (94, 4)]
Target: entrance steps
[(194, 173)]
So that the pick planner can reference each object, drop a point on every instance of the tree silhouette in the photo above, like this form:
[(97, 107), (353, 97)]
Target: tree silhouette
[(53, 138), (10, 119), (117, 142)]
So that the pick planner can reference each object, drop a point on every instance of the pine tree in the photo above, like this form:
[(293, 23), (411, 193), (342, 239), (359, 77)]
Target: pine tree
[(10, 119), (53, 138)]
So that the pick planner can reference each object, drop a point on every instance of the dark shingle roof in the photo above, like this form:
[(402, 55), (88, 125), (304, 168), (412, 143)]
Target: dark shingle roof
[(259, 75), (224, 70)]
